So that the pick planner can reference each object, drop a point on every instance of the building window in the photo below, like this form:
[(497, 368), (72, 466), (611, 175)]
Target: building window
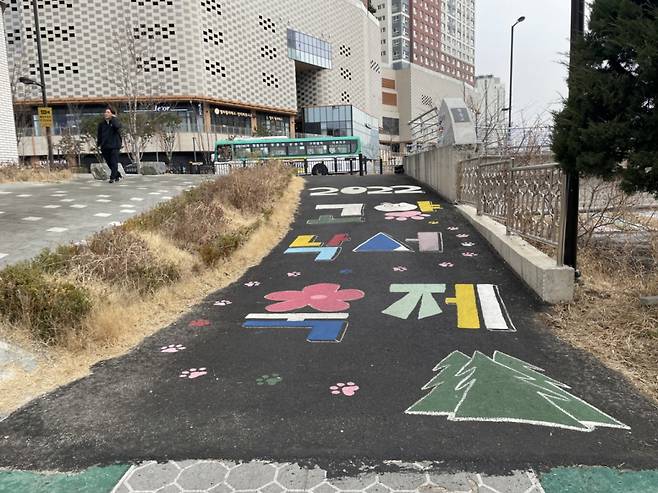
[(309, 49), (391, 126)]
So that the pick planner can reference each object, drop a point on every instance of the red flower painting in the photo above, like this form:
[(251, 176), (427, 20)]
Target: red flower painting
[(323, 297)]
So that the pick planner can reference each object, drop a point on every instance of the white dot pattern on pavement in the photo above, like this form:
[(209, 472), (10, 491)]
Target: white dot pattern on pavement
[(57, 230), (78, 206), (32, 218), (52, 206), (230, 477), (3, 255), (102, 214)]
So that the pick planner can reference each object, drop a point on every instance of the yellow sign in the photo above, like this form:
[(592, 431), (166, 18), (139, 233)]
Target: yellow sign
[(45, 116)]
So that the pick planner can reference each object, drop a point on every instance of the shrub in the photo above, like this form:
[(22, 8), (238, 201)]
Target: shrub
[(255, 189), (47, 306), (223, 245)]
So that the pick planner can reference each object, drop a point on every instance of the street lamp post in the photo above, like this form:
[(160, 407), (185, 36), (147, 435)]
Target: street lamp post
[(511, 73), (37, 31)]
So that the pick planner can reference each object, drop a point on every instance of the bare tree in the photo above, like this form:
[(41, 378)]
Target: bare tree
[(19, 93), (166, 129)]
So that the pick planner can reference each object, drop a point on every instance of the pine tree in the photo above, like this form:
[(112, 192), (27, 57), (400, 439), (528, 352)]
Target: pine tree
[(609, 123), (443, 397)]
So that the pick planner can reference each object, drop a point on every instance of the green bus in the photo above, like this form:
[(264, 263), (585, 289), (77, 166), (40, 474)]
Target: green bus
[(287, 149)]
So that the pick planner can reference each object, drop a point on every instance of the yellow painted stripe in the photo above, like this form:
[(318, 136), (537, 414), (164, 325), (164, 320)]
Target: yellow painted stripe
[(305, 241), (467, 310)]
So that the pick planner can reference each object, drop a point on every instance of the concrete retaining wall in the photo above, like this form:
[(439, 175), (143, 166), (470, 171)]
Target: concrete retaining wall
[(438, 169)]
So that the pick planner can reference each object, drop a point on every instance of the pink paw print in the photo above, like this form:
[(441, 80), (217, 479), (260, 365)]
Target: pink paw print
[(400, 268), (469, 254), (446, 265), (193, 373), (468, 244), (406, 215), (222, 303), (453, 228), (462, 236), (200, 323), (252, 284), (294, 274), (348, 389), (172, 348)]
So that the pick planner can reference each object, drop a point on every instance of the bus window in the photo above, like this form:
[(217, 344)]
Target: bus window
[(297, 149), (316, 149), (353, 145), (224, 153), (242, 152), (339, 148), (278, 150)]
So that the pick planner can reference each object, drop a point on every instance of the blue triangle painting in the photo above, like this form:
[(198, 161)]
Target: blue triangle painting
[(381, 242)]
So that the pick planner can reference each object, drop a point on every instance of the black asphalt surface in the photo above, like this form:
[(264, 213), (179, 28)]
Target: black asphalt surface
[(137, 407)]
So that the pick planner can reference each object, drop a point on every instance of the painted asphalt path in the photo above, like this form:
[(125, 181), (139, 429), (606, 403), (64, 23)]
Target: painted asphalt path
[(383, 353), (34, 216)]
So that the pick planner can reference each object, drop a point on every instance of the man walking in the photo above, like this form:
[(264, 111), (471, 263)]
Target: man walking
[(109, 142)]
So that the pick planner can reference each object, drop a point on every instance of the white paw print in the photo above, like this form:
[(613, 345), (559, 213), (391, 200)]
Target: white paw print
[(446, 265), (222, 303), (468, 244), (193, 373), (462, 236), (469, 254), (400, 268), (252, 284), (172, 348), (453, 228), (294, 274)]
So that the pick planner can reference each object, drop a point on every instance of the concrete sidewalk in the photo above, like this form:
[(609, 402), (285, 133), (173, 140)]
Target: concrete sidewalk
[(382, 336), (34, 216)]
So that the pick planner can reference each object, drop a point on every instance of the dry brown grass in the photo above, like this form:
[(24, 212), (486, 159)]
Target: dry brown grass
[(607, 319), (13, 173), (122, 316)]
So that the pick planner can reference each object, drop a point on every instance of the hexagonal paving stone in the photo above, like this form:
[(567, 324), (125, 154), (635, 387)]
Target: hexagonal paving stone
[(220, 488), (253, 475), (152, 476), (460, 481), (519, 482), (202, 475), (172, 488), (314, 477), (324, 488), (402, 481), (360, 482), (272, 488), (378, 488)]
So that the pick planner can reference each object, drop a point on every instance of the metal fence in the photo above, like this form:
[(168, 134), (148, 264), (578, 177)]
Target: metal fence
[(528, 200)]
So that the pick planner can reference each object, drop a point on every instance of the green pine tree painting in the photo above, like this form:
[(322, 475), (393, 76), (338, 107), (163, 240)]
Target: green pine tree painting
[(505, 389)]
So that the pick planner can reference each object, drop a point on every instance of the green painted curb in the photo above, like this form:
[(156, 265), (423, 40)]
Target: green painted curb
[(599, 480), (93, 480)]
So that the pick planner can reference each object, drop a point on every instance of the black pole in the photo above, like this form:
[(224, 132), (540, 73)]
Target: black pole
[(573, 179), (511, 72), (49, 139)]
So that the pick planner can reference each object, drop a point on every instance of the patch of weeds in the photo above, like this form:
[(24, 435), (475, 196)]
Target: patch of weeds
[(223, 245), (58, 260), (48, 307)]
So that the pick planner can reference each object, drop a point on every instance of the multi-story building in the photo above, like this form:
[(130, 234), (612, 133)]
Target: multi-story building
[(225, 67), (428, 51), (488, 105), (8, 151)]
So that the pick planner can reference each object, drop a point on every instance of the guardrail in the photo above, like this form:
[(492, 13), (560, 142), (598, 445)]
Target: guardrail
[(528, 200), (349, 165)]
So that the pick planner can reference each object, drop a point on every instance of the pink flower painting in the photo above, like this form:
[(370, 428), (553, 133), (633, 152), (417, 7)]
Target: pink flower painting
[(323, 297)]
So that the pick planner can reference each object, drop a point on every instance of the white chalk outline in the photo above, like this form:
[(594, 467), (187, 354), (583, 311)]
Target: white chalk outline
[(485, 294)]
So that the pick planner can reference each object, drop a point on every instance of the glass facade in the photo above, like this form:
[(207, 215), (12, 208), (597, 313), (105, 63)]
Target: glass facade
[(273, 125), (343, 121), (308, 49), (230, 122)]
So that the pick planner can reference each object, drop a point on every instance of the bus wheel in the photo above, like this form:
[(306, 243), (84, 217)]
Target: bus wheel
[(320, 169)]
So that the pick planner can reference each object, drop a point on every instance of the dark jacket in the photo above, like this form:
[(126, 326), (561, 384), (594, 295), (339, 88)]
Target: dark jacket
[(109, 134)]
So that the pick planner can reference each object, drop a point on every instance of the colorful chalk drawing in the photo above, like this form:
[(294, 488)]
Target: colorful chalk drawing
[(347, 389), (326, 252), (199, 323), (453, 228), (294, 274), (322, 327), (399, 207), (462, 236), (345, 271), (428, 242), (350, 213), (400, 268), (222, 303), (252, 284), (468, 244), (193, 373), (272, 379), (382, 242), (404, 216), (469, 254), (433, 222), (446, 265), (494, 314), (428, 206), (172, 348), (505, 389), (332, 192), (324, 297)]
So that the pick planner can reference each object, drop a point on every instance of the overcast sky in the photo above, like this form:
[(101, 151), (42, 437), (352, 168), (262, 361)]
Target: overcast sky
[(539, 47)]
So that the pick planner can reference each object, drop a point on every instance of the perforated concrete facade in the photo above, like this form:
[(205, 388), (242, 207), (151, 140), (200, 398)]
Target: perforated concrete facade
[(8, 150), (229, 51)]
